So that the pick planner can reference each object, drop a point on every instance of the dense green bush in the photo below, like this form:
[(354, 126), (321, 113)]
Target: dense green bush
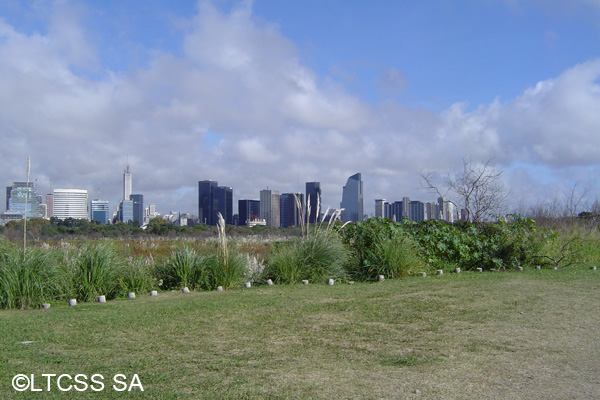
[(442, 245), (382, 247)]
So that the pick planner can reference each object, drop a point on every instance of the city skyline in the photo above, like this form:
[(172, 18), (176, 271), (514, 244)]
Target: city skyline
[(298, 93), (273, 209)]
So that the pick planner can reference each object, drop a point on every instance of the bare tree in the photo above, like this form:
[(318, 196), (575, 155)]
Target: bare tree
[(477, 189)]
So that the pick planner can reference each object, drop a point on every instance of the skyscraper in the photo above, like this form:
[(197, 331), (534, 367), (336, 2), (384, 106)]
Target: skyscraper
[(70, 203), (248, 210), (138, 208), (352, 199), (213, 199), (417, 211), (126, 211), (100, 211), (313, 197), (290, 213), (49, 205), (22, 198), (127, 185), (396, 211), (205, 201), (406, 208), (269, 207), (223, 203)]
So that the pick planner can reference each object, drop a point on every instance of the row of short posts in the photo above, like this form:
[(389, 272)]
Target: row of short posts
[(330, 282)]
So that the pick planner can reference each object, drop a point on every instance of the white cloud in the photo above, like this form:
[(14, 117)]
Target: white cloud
[(278, 123)]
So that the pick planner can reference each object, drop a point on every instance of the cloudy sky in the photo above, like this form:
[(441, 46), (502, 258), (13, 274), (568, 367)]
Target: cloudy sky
[(271, 94)]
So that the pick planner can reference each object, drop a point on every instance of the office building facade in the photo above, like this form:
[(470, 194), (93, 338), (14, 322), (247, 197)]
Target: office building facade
[(214, 199), (138, 208), (100, 211), (290, 210), (70, 203), (248, 211), (22, 198), (313, 198), (352, 199), (269, 207)]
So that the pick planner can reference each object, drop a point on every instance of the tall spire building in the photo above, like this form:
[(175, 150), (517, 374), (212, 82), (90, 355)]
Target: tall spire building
[(126, 183)]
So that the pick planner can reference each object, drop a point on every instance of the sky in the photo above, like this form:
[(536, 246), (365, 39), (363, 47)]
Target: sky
[(272, 94)]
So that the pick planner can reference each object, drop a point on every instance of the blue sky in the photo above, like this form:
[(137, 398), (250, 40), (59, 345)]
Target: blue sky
[(272, 93)]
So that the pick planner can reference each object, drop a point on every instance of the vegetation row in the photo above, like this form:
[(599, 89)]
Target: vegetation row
[(359, 251)]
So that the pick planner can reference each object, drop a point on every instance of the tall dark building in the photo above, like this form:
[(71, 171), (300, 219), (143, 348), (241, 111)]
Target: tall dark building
[(313, 197), (138, 208), (223, 203), (289, 212), (213, 199), (248, 210), (205, 201)]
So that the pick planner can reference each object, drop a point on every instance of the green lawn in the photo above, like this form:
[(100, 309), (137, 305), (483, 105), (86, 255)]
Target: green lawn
[(494, 335)]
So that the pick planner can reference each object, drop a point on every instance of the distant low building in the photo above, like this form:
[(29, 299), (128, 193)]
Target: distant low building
[(257, 222)]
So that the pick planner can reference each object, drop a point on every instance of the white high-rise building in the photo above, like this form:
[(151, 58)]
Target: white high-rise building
[(380, 208), (70, 203), (126, 183), (269, 207)]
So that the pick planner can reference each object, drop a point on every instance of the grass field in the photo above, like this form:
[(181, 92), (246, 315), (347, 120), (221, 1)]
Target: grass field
[(494, 335)]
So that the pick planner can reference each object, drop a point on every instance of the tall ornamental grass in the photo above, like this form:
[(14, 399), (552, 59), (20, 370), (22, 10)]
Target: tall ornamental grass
[(227, 268), (180, 269), (136, 275), (220, 266), (319, 254), (91, 271), (393, 257), (27, 278)]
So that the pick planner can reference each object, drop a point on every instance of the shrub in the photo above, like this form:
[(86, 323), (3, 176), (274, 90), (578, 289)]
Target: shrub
[(219, 271), (393, 257), (90, 271), (136, 276), (319, 256), (180, 269), (27, 278)]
